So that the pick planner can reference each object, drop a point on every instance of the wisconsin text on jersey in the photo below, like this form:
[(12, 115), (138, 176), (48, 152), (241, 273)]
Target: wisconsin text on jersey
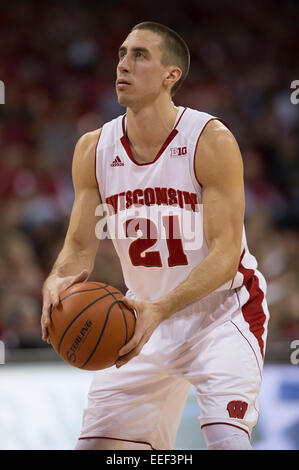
[(153, 196)]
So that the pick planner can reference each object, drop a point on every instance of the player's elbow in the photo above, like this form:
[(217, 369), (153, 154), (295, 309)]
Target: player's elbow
[(234, 269), (232, 262), (228, 262), (227, 252)]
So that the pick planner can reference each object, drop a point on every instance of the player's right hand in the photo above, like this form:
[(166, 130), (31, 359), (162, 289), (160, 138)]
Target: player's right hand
[(52, 289)]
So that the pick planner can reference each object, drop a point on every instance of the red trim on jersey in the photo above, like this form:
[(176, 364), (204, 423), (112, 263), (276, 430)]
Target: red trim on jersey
[(180, 118), (171, 136), (253, 311), (212, 119), (117, 439), (126, 144), (228, 424), (95, 160)]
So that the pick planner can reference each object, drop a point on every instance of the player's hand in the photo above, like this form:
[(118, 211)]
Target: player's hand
[(52, 289), (149, 316)]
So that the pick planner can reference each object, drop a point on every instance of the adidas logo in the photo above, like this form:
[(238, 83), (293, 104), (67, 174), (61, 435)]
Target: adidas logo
[(117, 162)]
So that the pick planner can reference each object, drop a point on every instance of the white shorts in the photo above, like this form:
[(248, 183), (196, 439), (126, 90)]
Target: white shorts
[(143, 401)]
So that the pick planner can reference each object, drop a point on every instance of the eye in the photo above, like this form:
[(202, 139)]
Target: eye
[(138, 54), (121, 55)]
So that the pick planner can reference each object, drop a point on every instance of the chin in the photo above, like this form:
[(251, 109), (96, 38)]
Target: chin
[(123, 100), (127, 102), (134, 102)]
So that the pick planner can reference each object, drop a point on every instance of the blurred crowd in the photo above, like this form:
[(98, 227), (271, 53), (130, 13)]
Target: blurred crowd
[(58, 63)]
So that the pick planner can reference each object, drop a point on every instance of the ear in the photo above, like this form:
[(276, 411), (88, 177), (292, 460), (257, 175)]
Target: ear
[(172, 75)]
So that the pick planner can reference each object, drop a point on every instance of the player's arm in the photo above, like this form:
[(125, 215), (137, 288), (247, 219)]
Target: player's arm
[(76, 260), (219, 169)]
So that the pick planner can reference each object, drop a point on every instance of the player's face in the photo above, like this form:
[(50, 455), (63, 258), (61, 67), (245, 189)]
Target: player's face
[(140, 74)]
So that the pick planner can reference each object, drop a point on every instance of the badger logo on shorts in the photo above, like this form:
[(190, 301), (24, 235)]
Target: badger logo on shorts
[(237, 409)]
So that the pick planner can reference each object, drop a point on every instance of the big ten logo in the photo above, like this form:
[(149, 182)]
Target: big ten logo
[(178, 151), (2, 353), (294, 358), (295, 94), (2, 92)]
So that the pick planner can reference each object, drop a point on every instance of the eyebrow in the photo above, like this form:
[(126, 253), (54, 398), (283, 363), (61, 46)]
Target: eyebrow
[(135, 49)]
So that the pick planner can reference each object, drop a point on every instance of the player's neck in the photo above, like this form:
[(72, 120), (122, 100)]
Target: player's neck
[(149, 127)]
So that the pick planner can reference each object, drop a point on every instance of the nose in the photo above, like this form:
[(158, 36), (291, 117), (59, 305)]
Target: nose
[(123, 65)]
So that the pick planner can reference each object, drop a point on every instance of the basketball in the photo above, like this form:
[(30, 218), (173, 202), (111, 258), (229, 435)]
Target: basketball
[(90, 325)]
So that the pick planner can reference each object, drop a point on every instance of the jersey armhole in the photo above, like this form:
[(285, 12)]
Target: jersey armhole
[(96, 162), (196, 145)]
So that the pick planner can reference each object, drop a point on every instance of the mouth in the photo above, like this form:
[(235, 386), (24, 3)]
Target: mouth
[(122, 84)]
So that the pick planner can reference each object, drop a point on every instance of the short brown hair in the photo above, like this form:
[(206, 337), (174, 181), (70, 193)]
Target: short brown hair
[(174, 49)]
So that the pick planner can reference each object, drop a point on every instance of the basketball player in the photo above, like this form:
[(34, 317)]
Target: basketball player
[(201, 309)]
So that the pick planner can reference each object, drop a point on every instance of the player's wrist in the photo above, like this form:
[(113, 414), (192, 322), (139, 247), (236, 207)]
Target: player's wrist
[(164, 307)]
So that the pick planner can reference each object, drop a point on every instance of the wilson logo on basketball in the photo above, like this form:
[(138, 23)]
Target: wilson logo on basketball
[(71, 356), (178, 151), (237, 409), (117, 162)]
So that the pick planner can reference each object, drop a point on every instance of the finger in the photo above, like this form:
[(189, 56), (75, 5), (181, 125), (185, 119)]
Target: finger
[(45, 333), (128, 357), (54, 300), (132, 305), (45, 318), (52, 303), (45, 322), (81, 277), (71, 280), (133, 343)]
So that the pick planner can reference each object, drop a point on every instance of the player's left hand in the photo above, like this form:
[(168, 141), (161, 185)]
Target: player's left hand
[(149, 316)]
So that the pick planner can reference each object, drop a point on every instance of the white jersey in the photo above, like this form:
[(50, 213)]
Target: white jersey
[(216, 344), (155, 219)]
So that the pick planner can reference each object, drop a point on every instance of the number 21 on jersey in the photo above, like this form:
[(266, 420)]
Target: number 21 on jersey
[(145, 232)]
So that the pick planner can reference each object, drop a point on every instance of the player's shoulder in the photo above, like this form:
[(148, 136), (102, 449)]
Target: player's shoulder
[(216, 133), (216, 145), (213, 131), (111, 132), (211, 126), (84, 152), (88, 142), (202, 127), (88, 139)]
